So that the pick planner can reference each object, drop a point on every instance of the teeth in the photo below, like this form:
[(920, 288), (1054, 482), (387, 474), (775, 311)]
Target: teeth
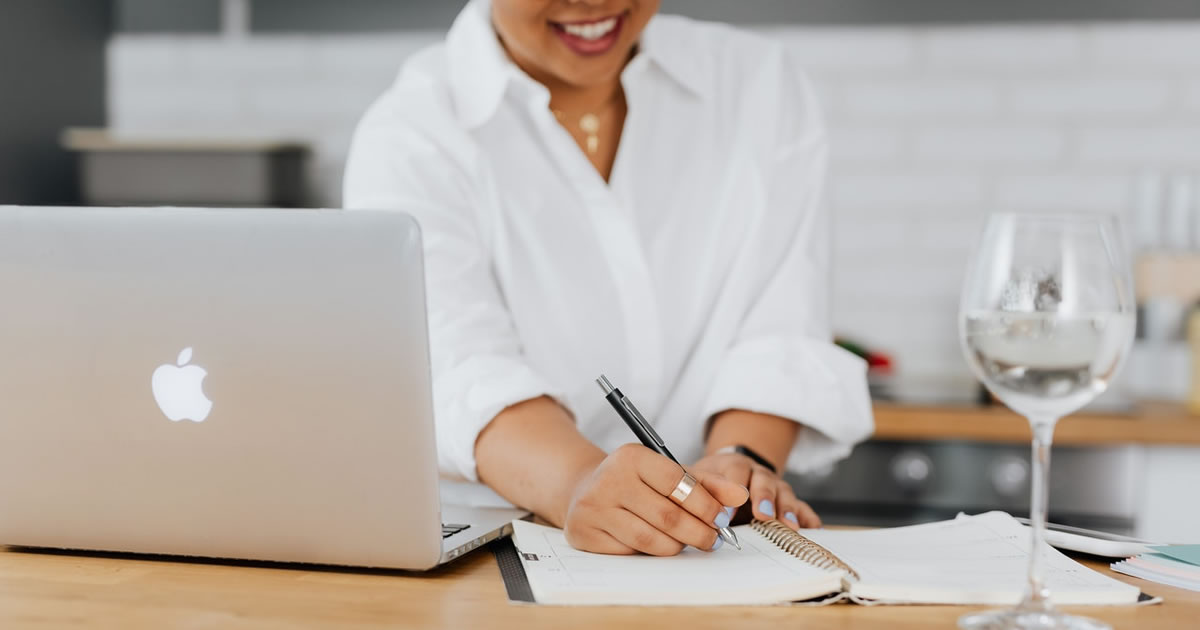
[(595, 30)]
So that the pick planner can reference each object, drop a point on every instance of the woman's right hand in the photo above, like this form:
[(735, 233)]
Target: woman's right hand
[(623, 506)]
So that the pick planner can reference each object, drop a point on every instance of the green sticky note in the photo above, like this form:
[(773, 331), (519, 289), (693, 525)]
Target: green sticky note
[(1184, 553)]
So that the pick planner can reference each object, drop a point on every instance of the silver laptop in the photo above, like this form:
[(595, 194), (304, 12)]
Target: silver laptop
[(246, 384)]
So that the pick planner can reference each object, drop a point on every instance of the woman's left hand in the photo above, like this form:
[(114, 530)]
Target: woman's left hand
[(770, 496)]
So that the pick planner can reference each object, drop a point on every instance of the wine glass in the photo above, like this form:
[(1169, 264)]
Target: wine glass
[(1046, 318)]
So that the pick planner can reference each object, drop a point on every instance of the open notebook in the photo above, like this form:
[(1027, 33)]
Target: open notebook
[(970, 560)]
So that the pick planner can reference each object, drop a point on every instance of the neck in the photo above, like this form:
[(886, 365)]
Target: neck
[(583, 99)]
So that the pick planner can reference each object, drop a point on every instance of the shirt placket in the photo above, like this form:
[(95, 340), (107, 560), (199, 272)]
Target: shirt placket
[(616, 230)]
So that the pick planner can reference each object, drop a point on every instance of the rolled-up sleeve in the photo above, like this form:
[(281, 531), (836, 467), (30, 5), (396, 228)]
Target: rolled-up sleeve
[(782, 360), (476, 356)]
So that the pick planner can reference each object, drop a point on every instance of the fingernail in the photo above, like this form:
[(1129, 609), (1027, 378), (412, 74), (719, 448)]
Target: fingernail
[(791, 517), (766, 507), (731, 510), (717, 545), (722, 519)]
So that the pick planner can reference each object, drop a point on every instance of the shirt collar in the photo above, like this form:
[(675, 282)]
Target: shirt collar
[(671, 55), (480, 71)]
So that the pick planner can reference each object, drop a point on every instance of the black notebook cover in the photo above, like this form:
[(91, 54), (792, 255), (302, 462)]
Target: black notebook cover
[(515, 581)]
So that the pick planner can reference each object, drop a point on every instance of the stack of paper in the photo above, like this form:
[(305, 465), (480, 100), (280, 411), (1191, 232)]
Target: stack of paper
[(1173, 565)]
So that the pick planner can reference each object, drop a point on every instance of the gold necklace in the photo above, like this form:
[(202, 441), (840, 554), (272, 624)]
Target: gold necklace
[(589, 124)]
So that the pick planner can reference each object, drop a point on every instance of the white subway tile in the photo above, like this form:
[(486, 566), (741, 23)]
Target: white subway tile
[(867, 327), (857, 238), (379, 55), (886, 277), (1142, 146), (847, 49), (184, 105), (947, 238), (1019, 47), (1070, 96), (875, 99), (143, 56), (897, 191), (1191, 96), (252, 59), (1067, 192), (1146, 46), (938, 359), (993, 143), (302, 101), (864, 144), (921, 339), (937, 363)]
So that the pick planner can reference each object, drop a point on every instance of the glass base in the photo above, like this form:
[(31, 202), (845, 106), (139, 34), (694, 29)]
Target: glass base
[(1017, 619)]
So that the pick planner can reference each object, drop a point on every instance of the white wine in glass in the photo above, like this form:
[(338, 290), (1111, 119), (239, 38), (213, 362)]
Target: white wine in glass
[(1046, 318)]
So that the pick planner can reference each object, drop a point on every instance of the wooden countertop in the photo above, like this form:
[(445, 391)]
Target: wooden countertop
[(1151, 423), (52, 590)]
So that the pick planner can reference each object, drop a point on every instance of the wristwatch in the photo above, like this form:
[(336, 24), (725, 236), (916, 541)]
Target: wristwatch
[(749, 452)]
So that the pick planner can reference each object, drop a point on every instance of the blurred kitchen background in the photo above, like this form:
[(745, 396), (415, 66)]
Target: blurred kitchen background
[(941, 111)]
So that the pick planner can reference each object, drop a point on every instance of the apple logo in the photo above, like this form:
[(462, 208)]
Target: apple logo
[(177, 390)]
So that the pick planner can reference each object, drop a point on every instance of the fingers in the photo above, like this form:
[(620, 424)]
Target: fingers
[(707, 499), (735, 468), (597, 540), (632, 531), (720, 488), (656, 471), (764, 487), (623, 506), (681, 522), (795, 513), (808, 516)]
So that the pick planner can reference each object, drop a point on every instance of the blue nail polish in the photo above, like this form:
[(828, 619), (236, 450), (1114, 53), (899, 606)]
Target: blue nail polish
[(731, 510), (791, 517), (717, 545), (722, 519), (766, 507)]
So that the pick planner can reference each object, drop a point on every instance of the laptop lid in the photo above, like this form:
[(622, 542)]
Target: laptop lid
[(228, 383)]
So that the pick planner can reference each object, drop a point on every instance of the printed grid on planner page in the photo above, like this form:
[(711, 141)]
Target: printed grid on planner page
[(759, 563)]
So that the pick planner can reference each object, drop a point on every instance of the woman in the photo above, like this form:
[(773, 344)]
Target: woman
[(605, 191)]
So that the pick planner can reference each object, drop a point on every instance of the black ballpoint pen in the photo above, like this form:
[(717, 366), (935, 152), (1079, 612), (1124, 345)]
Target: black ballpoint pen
[(648, 437)]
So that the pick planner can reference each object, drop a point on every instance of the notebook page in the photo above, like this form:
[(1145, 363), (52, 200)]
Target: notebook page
[(979, 559), (760, 573)]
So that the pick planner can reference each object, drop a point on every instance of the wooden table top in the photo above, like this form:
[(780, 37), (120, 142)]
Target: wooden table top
[(1152, 423), (53, 590)]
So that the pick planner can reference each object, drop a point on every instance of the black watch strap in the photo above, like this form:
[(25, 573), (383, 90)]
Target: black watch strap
[(749, 452)]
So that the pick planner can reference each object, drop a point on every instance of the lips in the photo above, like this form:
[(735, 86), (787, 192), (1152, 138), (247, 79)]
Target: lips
[(592, 37)]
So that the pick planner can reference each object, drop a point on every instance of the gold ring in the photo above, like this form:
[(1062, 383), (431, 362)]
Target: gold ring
[(683, 488)]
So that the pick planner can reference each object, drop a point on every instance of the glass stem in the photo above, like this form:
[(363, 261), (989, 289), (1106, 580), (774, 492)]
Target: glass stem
[(1038, 596)]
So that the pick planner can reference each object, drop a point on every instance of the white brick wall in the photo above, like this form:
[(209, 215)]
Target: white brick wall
[(1017, 49), (932, 128), (974, 147), (1161, 46), (905, 97)]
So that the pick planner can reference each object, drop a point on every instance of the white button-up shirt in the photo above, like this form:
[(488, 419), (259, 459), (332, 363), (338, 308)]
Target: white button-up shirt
[(695, 279)]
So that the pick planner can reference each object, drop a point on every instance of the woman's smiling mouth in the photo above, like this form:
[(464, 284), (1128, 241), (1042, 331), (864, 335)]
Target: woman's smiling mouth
[(592, 37)]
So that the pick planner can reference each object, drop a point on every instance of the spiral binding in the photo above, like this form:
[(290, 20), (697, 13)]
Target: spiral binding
[(800, 546)]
